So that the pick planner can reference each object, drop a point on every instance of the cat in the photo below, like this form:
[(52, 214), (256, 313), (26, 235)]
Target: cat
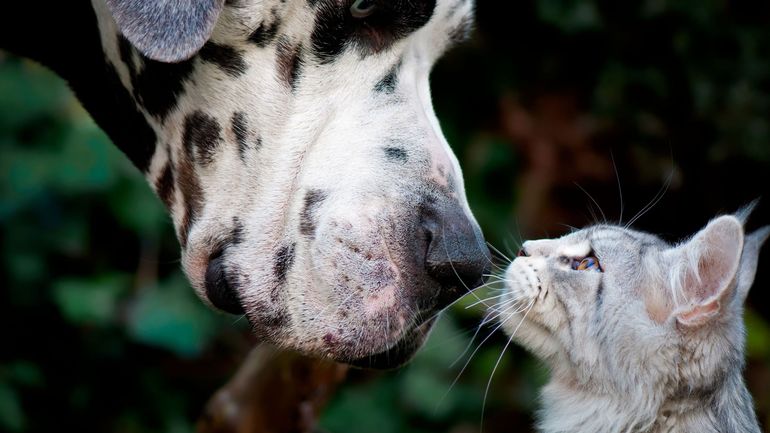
[(639, 335)]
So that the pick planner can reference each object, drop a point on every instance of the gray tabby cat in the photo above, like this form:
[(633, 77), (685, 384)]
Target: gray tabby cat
[(639, 335)]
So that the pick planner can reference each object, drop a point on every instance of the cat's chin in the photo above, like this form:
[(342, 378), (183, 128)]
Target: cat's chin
[(401, 352)]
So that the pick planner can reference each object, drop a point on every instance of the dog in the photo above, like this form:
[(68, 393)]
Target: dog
[(296, 148)]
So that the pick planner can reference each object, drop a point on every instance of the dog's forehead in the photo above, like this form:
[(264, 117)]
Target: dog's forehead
[(330, 29)]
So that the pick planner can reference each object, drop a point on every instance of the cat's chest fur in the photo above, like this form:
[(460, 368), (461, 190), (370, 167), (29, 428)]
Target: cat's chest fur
[(568, 409)]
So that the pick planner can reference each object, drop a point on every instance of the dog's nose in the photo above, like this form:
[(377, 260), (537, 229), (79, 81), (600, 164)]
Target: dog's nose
[(457, 256)]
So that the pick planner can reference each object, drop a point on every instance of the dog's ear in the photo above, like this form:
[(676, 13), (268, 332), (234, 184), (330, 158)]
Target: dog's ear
[(166, 30)]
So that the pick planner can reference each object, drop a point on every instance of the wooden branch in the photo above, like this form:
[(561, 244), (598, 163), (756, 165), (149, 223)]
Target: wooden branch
[(273, 392)]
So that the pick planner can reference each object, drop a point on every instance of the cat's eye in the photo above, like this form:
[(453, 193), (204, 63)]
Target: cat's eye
[(587, 264), (363, 8)]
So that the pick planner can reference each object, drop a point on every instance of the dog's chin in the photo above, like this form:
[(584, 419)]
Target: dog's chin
[(400, 353)]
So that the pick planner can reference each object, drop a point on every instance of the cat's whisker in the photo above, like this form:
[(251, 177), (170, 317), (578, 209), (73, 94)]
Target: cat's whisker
[(518, 241), (655, 200), (516, 302), (508, 308), (484, 301), (483, 322), (511, 251), (594, 218), (604, 217), (496, 268), (500, 253), (518, 230), (499, 358), (572, 228), (468, 361), (461, 298), (505, 307), (620, 189), (494, 279)]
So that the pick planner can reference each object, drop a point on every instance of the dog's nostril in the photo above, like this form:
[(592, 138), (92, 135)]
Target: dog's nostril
[(522, 253), (218, 289), (456, 257)]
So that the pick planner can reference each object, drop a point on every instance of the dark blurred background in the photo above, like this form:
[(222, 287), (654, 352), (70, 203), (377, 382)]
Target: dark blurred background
[(550, 102)]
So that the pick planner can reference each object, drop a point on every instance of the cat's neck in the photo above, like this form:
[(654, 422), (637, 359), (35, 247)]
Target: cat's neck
[(572, 408)]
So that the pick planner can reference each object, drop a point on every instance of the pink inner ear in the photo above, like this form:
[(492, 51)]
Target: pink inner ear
[(699, 314), (720, 250), (711, 262)]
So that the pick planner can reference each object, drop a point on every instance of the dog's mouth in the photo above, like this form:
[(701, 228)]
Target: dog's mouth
[(400, 353)]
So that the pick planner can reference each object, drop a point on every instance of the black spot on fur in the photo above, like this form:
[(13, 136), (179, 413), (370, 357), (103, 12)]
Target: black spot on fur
[(330, 341), (278, 320), (307, 219), (388, 83), (265, 33), (289, 62), (240, 130), (284, 258), (396, 154), (336, 29), (164, 185), (189, 185), (599, 295), (266, 319), (158, 86), (227, 58), (127, 56), (462, 32), (201, 132), (236, 233)]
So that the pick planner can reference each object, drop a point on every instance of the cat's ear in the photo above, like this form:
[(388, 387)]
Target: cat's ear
[(166, 30), (703, 270), (745, 212), (751, 246), (749, 260)]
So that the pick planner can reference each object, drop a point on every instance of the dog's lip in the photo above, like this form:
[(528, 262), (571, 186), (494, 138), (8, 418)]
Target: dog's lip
[(400, 353)]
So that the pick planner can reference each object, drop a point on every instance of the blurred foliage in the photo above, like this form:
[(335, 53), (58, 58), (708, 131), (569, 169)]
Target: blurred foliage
[(101, 332)]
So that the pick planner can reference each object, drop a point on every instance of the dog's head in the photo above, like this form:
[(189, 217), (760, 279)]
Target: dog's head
[(299, 154)]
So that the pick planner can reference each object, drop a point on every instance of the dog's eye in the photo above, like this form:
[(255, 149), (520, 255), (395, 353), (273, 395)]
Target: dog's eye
[(363, 8), (587, 264)]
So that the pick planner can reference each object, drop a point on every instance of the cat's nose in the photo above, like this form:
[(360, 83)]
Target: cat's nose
[(457, 256)]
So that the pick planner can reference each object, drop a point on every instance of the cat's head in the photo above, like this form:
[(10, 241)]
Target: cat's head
[(613, 308)]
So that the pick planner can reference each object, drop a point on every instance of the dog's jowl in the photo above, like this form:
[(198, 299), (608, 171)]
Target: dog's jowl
[(295, 146)]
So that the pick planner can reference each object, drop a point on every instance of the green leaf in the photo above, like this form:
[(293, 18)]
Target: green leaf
[(757, 336), (170, 316), (25, 373), (568, 15), (91, 302), (361, 410), (11, 414), (137, 207)]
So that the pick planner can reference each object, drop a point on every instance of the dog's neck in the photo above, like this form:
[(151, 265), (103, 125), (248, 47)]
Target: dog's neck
[(726, 408)]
